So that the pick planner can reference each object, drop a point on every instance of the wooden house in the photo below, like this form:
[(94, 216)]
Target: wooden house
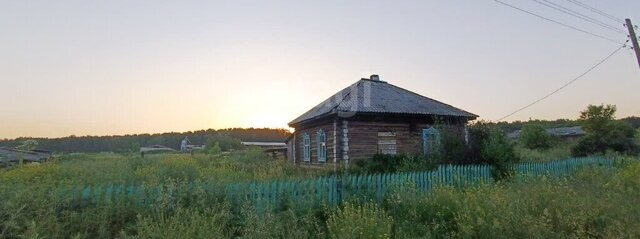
[(372, 117)]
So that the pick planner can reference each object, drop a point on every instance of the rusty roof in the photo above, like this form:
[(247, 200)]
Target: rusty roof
[(375, 96)]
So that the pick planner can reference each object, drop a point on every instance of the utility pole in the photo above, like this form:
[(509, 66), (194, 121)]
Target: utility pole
[(634, 39)]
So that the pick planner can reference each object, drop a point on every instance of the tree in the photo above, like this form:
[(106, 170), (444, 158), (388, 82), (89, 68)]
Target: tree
[(604, 132), (500, 153), (596, 118), (534, 136)]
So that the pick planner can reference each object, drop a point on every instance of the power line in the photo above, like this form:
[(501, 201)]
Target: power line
[(566, 84), (595, 10), (559, 23), (579, 15)]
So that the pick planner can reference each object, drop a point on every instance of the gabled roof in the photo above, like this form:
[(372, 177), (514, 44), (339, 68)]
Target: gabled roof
[(375, 96)]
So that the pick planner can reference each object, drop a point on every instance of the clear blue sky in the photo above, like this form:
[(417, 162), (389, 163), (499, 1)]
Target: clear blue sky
[(118, 67)]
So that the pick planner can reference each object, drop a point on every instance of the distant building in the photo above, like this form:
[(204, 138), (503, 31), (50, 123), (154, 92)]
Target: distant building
[(372, 117), (275, 149), (265, 145), (10, 156), (156, 148), (565, 133)]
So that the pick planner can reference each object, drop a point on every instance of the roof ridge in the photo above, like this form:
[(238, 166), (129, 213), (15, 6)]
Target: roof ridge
[(422, 96)]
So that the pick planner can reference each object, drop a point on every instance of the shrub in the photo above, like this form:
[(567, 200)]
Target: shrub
[(489, 145), (366, 221), (282, 224), (500, 153), (384, 163), (534, 136), (184, 223), (478, 133), (224, 142), (453, 148), (604, 133), (215, 149)]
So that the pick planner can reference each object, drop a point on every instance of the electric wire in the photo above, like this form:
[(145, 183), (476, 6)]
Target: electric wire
[(579, 15), (565, 85), (559, 23), (595, 10)]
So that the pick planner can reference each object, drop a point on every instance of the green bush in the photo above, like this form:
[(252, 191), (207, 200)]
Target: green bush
[(499, 152), (365, 221), (489, 145), (223, 142), (604, 133), (453, 148), (384, 163), (478, 133), (534, 136)]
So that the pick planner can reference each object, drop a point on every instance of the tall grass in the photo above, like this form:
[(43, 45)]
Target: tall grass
[(559, 150), (109, 168), (594, 202)]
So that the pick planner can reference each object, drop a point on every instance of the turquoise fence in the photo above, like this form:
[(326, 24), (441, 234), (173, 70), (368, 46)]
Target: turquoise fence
[(330, 190)]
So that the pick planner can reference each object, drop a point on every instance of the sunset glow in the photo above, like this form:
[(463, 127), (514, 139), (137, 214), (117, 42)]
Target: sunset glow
[(98, 68)]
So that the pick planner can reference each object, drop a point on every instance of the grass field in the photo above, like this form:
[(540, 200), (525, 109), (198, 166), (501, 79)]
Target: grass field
[(594, 202)]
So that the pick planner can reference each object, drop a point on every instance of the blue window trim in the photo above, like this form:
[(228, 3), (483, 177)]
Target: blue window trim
[(321, 139), (428, 134), (306, 147)]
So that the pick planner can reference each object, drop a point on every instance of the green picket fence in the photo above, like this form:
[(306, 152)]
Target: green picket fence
[(330, 190)]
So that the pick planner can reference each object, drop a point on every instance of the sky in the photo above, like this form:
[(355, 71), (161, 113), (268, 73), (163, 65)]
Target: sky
[(126, 67)]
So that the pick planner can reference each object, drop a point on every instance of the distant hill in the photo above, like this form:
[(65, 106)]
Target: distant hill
[(131, 143)]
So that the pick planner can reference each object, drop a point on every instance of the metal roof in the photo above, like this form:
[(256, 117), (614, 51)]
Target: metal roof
[(264, 144), (374, 96), (558, 132)]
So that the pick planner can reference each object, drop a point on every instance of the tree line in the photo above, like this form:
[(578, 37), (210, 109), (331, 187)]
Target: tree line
[(633, 121), (131, 143)]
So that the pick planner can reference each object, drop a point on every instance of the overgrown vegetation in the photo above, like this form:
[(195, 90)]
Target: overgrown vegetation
[(381, 163), (487, 145), (604, 133), (500, 153), (109, 168), (534, 136), (218, 143), (594, 202)]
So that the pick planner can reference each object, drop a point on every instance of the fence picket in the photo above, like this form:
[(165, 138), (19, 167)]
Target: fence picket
[(333, 189)]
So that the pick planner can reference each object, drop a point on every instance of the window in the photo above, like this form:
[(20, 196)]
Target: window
[(387, 143), (321, 138), (306, 147), (430, 140)]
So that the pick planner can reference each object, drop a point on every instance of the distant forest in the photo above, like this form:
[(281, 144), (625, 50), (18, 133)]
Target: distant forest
[(132, 143), (516, 125)]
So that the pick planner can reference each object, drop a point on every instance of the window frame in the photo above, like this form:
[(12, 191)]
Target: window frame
[(321, 140), (306, 147)]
